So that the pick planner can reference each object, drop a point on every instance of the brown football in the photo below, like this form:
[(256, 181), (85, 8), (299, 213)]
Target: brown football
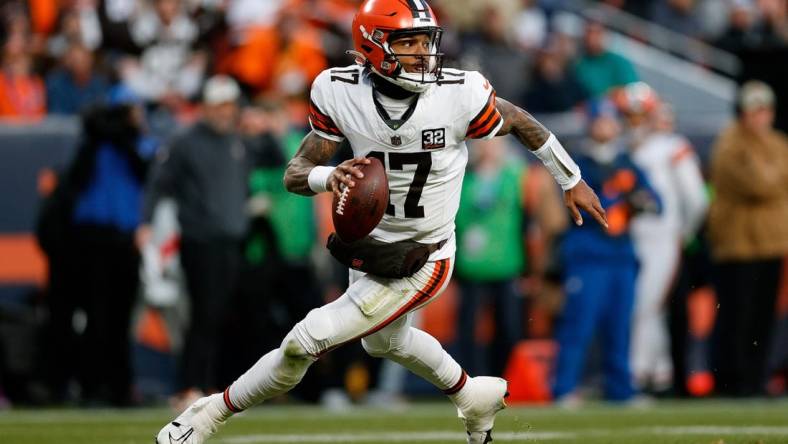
[(358, 210)]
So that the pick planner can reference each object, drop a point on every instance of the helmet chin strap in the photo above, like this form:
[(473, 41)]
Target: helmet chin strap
[(409, 84), (390, 89)]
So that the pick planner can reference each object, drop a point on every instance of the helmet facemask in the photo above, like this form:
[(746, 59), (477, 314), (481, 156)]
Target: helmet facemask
[(417, 81), (392, 69)]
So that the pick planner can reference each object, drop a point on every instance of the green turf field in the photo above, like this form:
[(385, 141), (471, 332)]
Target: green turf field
[(706, 422)]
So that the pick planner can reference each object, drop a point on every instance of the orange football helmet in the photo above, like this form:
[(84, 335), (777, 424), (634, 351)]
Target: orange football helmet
[(379, 22), (635, 98)]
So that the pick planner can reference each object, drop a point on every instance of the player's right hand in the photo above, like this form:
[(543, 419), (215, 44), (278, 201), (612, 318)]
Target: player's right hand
[(344, 173), (582, 196)]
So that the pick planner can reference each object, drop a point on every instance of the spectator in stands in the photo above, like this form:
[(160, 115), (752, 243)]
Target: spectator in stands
[(277, 47), (775, 20), (530, 26), (300, 57), (22, 94), (741, 31), (567, 31), (599, 69), (253, 42), (637, 7), (749, 238), (334, 18), (600, 267), (78, 25), (205, 170), (677, 15), (107, 176), (493, 50), (76, 83), (115, 18), (503, 200), (168, 70), (747, 31), (553, 88)]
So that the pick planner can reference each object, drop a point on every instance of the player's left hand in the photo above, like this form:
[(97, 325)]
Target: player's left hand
[(582, 196)]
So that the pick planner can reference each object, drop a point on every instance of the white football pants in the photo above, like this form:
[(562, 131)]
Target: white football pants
[(650, 346), (373, 309)]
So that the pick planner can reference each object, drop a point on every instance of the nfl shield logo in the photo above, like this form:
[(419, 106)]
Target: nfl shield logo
[(396, 140)]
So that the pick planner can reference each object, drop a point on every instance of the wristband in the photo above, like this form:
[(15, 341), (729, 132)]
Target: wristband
[(318, 178), (555, 158)]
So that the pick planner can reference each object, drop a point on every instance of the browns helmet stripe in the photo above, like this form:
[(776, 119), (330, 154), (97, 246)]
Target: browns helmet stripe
[(419, 9)]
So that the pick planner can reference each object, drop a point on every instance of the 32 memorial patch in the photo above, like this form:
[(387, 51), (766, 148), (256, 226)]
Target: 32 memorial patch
[(432, 139)]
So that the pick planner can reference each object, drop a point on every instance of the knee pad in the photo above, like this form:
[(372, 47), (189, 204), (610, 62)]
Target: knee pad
[(295, 360), (292, 349), (312, 334)]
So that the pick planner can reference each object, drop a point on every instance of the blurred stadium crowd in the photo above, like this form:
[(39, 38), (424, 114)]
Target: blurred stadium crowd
[(190, 109)]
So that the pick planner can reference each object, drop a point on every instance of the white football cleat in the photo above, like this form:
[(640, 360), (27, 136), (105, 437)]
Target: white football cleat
[(193, 426), (487, 398)]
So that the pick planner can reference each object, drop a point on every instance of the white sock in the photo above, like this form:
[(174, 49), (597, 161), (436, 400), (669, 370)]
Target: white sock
[(217, 409), (271, 375), (463, 397)]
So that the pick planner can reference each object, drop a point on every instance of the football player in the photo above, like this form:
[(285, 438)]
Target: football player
[(673, 169), (397, 103)]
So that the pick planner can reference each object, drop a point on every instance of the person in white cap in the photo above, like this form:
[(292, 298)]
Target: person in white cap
[(204, 170)]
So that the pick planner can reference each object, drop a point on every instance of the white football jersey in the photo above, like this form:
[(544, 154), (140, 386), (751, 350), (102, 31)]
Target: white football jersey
[(424, 153), (672, 167)]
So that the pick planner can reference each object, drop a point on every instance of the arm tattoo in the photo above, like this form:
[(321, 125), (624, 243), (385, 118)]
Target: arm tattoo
[(314, 151), (521, 125)]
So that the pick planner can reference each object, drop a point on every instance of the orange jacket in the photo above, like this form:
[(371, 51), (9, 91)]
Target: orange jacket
[(22, 97)]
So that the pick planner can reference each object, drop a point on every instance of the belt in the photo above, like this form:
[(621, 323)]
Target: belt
[(436, 246)]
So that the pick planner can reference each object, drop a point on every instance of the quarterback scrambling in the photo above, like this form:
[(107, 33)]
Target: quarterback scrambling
[(397, 104)]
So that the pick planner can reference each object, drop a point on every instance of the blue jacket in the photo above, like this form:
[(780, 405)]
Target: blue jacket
[(623, 191), (64, 96), (113, 196), (110, 169)]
